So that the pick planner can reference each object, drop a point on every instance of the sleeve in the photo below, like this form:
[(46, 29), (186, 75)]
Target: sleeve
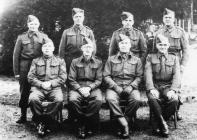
[(16, 55), (138, 76), (32, 77), (184, 47), (98, 77), (143, 48), (72, 77), (113, 47), (62, 45), (62, 75), (148, 74), (176, 81), (107, 75)]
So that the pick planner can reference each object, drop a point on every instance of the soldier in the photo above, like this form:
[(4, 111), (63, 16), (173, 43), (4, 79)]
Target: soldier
[(162, 75), (123, 73), (177, 39), (72, 38), (138, 43), (46, 75), (85, 97), (27, 47)]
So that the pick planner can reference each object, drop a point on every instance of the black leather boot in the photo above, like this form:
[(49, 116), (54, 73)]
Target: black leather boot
[(23, 117), (163, 127)]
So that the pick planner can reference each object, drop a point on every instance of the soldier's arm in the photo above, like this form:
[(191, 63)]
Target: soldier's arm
[(107, 75), (148, 75), (139, 74), (72, 77), (98, 77), (113, 47), (184, 47), (62, 45), (176, 81), (16, 55), (143, 47), (61, 77), (32, 77)]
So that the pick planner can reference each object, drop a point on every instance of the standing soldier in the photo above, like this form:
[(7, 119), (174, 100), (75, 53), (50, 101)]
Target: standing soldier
[(162, 74), (177, 39), (27, 47), (123, 73), (72, 38), (138, 43), (85, 97)]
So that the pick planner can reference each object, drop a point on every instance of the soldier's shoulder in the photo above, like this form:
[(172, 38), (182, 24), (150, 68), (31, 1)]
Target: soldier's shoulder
[(178, 30), (118, 30), (137, 30), (88, 28), (23, 34), (36, 60)]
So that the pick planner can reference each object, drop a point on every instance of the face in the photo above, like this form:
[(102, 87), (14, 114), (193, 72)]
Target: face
[(48, 49), (87, 50), (168, 19), (163, 47), (33, 26), (124, 46), (78, 19), (128, 23)]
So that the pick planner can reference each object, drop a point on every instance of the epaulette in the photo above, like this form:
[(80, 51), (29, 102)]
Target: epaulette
[(88, 27)]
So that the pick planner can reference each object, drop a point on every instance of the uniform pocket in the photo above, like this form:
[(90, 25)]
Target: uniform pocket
[(40, 69), (130, 67), (169, 66), (80, 71), (175, 42), (54, 69), (116, 67), (156, 66)]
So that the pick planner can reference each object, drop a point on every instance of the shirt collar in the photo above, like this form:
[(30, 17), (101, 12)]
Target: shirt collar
[(159, 55), (30, 33), (128, 55), (82, 59), (169, 28), (78, 27)]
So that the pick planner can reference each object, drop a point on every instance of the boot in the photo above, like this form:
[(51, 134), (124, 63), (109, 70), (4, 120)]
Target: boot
[(125, 128), (23, 117), (163, 127)]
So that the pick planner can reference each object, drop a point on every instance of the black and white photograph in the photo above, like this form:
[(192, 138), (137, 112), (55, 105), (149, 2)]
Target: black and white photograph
[(98, 69)]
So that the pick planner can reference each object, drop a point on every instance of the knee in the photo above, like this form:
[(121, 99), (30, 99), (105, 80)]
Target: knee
[(111, 96)]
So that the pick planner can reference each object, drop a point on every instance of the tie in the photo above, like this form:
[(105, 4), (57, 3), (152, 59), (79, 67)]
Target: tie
[(48, 71), (163, 68)]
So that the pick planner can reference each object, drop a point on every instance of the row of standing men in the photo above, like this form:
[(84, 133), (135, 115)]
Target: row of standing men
[(28, 47)]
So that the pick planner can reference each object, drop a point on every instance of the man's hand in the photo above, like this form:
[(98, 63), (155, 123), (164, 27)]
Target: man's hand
[(155, 93), (85, 91), (128, 89), (118, 89), (17, 77), (46, 85), (172, 95)]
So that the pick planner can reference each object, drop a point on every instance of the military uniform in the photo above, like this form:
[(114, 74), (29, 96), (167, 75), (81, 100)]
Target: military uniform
[(85, 74), (27, 47), (178, 42), (71, 42), (138, 43), (123, 71), (162, 73), (52, 69)]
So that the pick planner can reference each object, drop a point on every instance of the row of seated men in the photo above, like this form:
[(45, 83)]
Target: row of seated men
[(121, 74)]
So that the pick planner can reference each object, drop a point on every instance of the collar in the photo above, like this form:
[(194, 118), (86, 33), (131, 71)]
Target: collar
[(128, 55), (30, 33), (48, 58), (169, 28), (159, 55), (82, 59), (78, 27)]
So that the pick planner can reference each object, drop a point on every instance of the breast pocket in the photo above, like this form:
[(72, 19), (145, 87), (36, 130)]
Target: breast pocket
[(134, 42), (175, 42), (156, 66), (40, 69), (55, 69), (169, 66), (71, 39), (116, 68), (93, 71), (80, 71), (27, 45), (130, 67)]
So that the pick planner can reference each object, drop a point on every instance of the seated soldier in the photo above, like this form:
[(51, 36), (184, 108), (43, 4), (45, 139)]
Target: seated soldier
[(46, 75), (162, 74), (123, 73), (85, 97)]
